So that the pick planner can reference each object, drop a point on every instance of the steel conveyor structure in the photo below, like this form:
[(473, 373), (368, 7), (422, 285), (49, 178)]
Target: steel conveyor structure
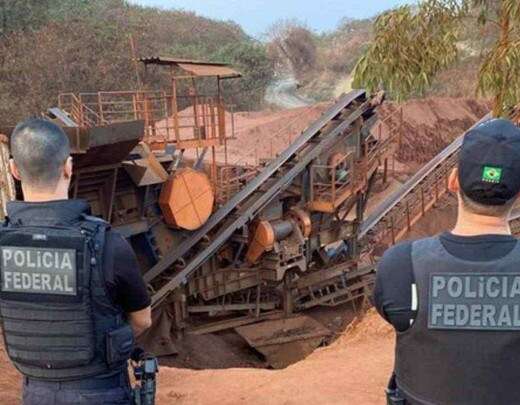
[(275, 178), (399, 212)]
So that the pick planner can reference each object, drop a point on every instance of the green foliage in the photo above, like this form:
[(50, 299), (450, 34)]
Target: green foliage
[(293, 45), (252, 61), (54, 46), (500, 71), (412, 47)]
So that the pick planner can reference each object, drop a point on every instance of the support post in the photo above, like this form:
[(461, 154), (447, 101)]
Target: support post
[(175, 110)]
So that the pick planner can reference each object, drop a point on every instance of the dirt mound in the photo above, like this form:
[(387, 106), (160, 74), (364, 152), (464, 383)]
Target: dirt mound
[(353, 370), (266, 133), (258, 134), (431, 124)]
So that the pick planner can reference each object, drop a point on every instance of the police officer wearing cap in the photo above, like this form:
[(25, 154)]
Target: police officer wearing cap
[(454, 299), (71, 295)]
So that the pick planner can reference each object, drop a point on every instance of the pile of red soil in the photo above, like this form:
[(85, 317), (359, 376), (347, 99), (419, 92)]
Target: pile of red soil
[(258, 135), (431, 124), (353, 370), (262, 134)]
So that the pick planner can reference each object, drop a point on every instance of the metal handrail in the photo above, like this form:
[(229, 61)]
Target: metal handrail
[(430, 182)]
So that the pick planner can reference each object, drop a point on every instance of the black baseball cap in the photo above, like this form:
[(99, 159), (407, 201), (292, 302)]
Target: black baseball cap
[(489, 162)]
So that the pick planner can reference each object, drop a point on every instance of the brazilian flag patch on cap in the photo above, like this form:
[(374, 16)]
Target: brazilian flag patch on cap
[(491, 174)]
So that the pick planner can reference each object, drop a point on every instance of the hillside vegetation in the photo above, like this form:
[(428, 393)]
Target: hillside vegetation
[(53, 46), (324, 63), (320, 62)]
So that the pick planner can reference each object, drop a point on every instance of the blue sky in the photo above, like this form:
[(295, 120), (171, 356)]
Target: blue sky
[(257, 15)]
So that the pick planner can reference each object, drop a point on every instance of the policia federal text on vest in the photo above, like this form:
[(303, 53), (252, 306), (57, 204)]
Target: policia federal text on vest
[(59, 323), (467, 324)]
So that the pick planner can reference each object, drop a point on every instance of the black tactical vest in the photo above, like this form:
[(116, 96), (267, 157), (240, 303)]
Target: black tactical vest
[(464, 345), (58, 321)]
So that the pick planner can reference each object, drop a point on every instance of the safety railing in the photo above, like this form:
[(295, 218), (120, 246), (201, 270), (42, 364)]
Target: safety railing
[(415, 205), (187, 121), (231, 179), (201, 123), (333, 183), (80, 111), (329, 181)]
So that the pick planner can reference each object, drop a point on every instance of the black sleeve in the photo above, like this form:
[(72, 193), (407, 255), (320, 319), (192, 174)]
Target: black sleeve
[(393, 290), (123, 277)]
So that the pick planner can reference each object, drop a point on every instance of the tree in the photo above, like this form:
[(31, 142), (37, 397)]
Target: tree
[(257, 70), (413, 44), (53, 46), (292, 42)]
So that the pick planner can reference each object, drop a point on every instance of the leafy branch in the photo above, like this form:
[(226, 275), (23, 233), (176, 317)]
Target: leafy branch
[(412, 45)]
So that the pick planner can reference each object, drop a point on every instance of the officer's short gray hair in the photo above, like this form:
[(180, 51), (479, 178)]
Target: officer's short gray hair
[(39, 148), (498, 211)]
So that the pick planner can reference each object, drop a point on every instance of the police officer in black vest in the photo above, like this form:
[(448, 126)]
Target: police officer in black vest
[(71, 294), (454, 299)]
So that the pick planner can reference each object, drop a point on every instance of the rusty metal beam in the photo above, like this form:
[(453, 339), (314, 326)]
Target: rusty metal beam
[(260, 200)]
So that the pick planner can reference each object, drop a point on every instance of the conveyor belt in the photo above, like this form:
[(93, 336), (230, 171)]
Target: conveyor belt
[(253, 185), (247, 203), (433, 165)]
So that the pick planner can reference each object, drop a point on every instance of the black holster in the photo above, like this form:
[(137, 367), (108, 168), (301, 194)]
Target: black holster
[(144, 372), (393, 394)]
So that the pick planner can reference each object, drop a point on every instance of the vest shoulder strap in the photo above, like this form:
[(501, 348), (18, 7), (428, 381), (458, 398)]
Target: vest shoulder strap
[(95, 221)]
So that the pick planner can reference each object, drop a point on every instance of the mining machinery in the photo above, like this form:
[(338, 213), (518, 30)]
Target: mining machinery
[(224, 246)]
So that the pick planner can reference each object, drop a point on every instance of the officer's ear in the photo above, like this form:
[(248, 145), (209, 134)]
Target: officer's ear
[(14, 170), (67, 168), (453, 181)]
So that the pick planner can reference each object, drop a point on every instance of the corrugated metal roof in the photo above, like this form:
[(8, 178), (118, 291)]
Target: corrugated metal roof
[(194, 67)]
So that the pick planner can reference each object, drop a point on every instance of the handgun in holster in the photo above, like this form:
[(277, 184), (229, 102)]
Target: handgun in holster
[(393, 394), (145, 369)]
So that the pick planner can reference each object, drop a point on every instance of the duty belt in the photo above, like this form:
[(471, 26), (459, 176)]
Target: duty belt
[(118, 380)]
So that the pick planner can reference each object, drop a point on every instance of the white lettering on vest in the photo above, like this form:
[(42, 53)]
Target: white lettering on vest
[(439, 283), (19, 258), (66, 263), (58, 284), (47, 259), (515, 288), (455, 287), (8, 279), (46, 282), (7, 255), (493, 293)]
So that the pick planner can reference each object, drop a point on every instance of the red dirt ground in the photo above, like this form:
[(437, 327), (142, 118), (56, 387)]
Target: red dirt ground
[(353, 370)]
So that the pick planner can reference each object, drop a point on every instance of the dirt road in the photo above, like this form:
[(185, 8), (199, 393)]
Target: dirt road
[(282, 93)]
